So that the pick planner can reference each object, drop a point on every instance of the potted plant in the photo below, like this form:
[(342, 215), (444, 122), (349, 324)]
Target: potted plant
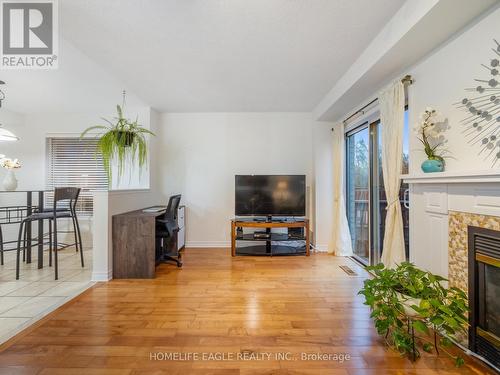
[(120, 140), (428, 132), (10, 181), (407, 300)]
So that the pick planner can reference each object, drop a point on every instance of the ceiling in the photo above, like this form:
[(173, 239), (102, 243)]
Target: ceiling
[(225, 55), (78, 85), (397, 48)]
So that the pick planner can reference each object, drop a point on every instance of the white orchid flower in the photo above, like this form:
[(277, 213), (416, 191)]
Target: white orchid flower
[(9, 163)]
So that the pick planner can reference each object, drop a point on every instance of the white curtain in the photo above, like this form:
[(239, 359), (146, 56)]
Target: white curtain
[(392, 104), (340, 242)]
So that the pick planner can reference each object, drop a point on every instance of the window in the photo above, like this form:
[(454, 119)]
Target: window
[(75, 162)]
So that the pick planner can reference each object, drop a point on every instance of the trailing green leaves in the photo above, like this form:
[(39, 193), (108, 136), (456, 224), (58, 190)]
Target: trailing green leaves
[(121, 143), (390, 294)]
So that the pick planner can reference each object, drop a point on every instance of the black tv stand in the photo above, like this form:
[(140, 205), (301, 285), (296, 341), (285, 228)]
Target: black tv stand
[(271, 243)]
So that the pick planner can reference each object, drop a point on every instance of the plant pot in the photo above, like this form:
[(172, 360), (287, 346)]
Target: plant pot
[(432, 165), (126, 137), (407, 302), (10, 182)]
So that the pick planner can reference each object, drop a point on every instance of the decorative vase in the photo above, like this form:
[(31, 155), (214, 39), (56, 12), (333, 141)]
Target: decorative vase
[(432, 165), (10, 182)]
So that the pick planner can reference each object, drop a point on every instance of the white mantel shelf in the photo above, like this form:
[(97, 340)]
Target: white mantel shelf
[(490, 175)]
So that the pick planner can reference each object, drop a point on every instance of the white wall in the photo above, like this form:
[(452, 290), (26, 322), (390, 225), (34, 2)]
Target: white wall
[(322, 154), (200, 153), (440, 81)]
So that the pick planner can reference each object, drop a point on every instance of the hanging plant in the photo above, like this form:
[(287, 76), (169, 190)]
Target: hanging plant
[(119, 141)]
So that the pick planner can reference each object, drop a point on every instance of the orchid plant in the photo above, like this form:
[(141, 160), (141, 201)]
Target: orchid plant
[(429, 134), (9, 164)]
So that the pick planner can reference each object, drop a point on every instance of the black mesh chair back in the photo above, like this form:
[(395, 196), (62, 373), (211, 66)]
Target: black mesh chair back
[(166, 231), (172, 207)]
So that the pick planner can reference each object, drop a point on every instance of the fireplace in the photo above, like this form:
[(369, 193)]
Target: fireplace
[(484, 292)]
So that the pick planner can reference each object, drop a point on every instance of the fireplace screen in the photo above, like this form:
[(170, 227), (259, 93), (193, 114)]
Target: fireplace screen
[(492, 299), (484, 292)]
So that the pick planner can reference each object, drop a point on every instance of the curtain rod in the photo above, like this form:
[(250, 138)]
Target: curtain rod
[(406, 80)]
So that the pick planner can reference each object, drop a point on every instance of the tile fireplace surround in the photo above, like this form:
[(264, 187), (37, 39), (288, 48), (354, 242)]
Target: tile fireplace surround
[(457, 243)]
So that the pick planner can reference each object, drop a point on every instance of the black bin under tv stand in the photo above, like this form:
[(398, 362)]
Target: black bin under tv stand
[(267, 243)]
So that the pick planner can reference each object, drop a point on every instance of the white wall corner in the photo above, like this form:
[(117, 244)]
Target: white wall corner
[(99, 276)]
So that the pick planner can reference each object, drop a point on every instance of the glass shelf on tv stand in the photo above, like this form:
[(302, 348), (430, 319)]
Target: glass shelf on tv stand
[(275, 250), (274, 237)]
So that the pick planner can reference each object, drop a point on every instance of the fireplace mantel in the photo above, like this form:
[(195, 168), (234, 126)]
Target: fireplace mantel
[(433, 198), (490, 175)]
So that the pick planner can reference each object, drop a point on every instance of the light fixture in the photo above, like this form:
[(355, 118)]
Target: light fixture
[(7, 136)]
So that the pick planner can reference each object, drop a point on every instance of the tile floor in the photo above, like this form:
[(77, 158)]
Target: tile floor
[(36, 293)]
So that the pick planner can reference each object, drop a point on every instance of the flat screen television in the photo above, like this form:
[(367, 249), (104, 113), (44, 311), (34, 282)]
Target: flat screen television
[(270, 195)]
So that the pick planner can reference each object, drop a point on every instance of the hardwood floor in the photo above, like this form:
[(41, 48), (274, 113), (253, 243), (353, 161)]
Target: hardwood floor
[(243, 306)]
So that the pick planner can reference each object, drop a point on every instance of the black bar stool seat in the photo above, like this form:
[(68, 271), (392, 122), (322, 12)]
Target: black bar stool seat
[(48, 215)]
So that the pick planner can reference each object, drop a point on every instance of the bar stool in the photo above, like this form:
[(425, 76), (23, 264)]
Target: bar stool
[(61, 194), (1, 246)]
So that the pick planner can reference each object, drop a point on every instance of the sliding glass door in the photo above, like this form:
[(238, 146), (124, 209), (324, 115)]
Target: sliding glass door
[(365, 197), (358, 193)]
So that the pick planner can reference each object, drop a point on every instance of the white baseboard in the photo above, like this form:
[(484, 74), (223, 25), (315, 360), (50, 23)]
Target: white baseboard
[(102, 276), (211, 244), (321, 248)]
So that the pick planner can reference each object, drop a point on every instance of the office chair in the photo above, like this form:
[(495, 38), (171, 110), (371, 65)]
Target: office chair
[(166, 232)]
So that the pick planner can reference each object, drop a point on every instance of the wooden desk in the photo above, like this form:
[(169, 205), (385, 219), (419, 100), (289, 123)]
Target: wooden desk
[(235, 223), (134, 245)]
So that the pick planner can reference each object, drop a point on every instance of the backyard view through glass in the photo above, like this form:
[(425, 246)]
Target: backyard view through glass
[(358, 178)]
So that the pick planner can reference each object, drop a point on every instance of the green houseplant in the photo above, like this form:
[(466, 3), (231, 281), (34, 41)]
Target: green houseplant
[(120, 140), (439, 314)]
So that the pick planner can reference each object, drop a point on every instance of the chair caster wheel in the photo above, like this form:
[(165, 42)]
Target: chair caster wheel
[(179, 265)]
